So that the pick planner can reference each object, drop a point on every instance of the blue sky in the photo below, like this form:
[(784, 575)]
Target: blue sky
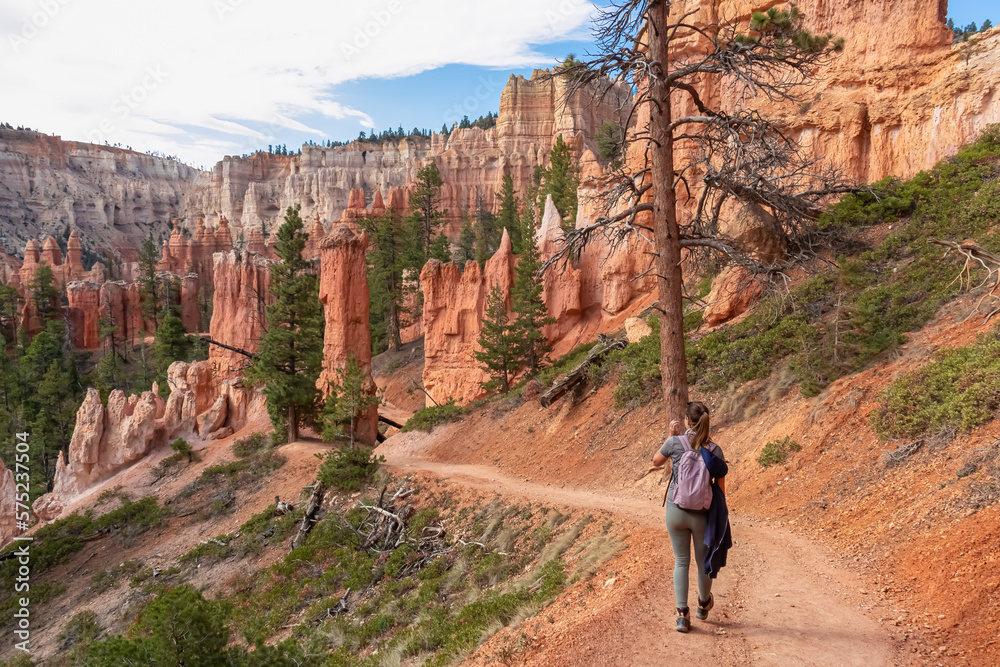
[(200, 79)]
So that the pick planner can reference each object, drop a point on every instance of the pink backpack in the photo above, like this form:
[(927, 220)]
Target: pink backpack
[(694, 483)]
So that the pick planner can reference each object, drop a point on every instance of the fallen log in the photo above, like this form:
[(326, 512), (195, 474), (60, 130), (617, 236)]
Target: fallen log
[(237, 350), (579, 374), (386, 420), (309, 518)]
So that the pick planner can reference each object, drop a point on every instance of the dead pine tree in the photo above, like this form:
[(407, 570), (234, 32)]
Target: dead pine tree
[(691, 166)]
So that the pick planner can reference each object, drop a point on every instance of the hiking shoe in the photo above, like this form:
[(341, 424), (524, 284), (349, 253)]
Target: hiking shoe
[(705, 607), (683, 620)]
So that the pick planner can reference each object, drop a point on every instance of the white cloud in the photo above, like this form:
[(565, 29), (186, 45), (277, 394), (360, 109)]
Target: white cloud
[(200, 78)]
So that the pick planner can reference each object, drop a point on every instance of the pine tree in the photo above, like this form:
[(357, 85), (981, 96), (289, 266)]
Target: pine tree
[(387, 261), (10, 312), (482, 245), (441, 248), (172, 343), (466, 249), (507, 218), (531, 314), (349, 397), (44, 294), (149, 288), (561, 180), (290, 354), (425, 217), (48, 386), (498, 340)]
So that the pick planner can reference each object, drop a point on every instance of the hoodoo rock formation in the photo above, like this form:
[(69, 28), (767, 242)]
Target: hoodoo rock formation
[(110, 438), (84, 298), (453, 313), (343, 290), (242, 285)]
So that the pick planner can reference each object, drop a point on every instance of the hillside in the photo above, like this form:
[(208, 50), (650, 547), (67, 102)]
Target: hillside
[(305, 428)]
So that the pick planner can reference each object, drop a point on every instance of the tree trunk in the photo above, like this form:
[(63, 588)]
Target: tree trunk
[(293, 424), (309, 517), (395, 339), (666, 233)]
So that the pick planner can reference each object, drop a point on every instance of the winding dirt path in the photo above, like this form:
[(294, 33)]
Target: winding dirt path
[(783, 599)]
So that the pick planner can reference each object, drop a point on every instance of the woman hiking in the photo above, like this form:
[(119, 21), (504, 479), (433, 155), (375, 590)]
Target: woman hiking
[(695, 505)]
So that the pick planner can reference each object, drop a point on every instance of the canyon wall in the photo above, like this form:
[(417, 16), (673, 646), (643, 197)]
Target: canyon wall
[(900, 98), (117, 198), (254, 192), (114, 197)]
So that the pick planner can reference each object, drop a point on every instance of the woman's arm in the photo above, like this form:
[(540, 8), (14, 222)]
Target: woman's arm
[(722, 484)]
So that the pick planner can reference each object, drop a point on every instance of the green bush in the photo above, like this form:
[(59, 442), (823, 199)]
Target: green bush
[(183, 449), (776, 452), (347, 468), (78, 633), (639, 366), (177, 627), (53, 544), (132, 519), (960, 388), (435, 415)]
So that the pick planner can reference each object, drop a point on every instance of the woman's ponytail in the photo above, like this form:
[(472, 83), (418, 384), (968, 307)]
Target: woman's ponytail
[(697, 414)]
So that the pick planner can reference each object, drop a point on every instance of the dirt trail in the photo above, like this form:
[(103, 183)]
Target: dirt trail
[(782, 599)]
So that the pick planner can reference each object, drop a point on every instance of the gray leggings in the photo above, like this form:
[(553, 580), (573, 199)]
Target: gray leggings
[(684, 525)]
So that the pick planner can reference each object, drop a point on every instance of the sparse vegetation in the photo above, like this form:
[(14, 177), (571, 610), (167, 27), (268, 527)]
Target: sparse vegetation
[(348, 468), (638, 367), (959, 388), (78, 633), (109, 578), (423, 599), (565, 363), (776, 452), (255, 443), (435, 415), (184, 451), (255, 460)]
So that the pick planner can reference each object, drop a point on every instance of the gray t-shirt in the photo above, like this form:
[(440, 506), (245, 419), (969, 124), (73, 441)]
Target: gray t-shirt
[(673, 449)]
